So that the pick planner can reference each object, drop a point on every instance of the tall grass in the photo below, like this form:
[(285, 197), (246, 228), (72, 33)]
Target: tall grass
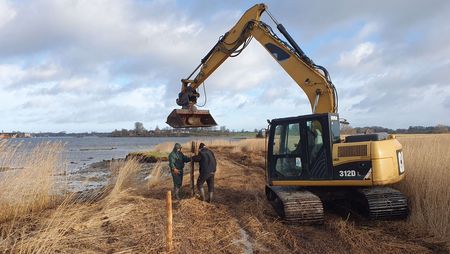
[(427, 182), (125, 172), (243, 145), (26, 192), (155, 175), (51, 235), (27, 188), (26, 225), (30, 187), (250, 145)]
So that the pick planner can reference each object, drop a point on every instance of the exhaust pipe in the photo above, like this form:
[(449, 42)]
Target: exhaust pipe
[(185, 118)]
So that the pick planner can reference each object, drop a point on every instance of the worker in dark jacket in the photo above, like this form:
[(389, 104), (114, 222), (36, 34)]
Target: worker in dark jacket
[(176, 164), (207, 169)]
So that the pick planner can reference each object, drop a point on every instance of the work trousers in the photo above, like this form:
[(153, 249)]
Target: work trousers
[(209, 181)]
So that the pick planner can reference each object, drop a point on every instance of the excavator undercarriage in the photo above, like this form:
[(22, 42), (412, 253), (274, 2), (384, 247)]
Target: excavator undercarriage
[(381, 203), (297, 205)]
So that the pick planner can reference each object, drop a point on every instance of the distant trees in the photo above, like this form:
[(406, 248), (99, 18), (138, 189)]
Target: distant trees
[(224, 129), (259, 134), (440, 128), (139, 129), (347, 129)]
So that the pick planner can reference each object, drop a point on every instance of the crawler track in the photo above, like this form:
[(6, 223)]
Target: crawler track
[(383, 203), (296, 205)]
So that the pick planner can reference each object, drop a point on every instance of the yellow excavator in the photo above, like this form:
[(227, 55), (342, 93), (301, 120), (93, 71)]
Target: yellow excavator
[(308, 164)]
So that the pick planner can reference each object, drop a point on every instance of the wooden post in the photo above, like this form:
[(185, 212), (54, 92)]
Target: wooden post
[(193, 149), (169, 241)]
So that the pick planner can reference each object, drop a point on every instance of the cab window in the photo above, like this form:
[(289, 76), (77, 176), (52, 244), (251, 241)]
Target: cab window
[(287, 145), (287, 139), (315, 139)]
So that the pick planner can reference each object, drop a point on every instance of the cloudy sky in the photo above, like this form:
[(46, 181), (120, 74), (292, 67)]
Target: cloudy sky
[(101, 65)]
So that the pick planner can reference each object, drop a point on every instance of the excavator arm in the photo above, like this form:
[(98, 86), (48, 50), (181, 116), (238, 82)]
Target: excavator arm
[(311, 78)]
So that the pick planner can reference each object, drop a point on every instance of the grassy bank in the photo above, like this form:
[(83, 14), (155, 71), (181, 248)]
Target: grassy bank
[(30, 188), (37, 217), (128, 216), (148, 156)]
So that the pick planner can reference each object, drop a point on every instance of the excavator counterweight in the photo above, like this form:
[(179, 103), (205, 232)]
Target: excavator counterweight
[(185, 118)]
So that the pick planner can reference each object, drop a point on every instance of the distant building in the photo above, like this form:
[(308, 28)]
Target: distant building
[(8, 135), (4, 135)]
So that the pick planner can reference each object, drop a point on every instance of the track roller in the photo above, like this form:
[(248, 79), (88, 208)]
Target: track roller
[(296, 205), (382, 203)]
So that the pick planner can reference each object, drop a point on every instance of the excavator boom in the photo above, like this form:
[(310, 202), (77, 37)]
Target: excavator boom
[(311, 78)]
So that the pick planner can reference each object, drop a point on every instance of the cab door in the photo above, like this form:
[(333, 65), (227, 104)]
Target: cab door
[(318, 151), (286, 160)]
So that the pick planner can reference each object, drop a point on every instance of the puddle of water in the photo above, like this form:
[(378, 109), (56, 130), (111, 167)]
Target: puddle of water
[(245, 241), (87, 181)]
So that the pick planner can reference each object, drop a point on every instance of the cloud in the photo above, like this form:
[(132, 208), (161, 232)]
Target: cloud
[(354, 57), (250, 69), (6, 13), (447, 102), (101, 65)]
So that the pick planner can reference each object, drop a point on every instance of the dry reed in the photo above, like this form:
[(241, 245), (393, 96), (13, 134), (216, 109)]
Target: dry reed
[(155, 175), (370, 240), (125, 172), (27, 190), (132, 223), (54, 230), (427, 160), (243, 145), (51, 236), (31, 187)]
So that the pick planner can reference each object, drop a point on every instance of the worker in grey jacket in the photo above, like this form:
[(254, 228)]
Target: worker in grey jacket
[(207, 169)]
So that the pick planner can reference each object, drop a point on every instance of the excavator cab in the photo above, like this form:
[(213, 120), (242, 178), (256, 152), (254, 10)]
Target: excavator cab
[(300, 147)]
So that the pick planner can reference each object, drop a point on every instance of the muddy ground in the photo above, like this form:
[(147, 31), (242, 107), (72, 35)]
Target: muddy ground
[(239, 220)]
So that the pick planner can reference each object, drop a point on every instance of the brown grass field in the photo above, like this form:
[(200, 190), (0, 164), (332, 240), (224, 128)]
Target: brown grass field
[(128, 216), (427, 183)]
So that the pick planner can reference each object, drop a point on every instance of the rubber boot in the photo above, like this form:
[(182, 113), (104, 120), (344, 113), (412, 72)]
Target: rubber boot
[(202, 193), (177, 193), (211, 194)]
